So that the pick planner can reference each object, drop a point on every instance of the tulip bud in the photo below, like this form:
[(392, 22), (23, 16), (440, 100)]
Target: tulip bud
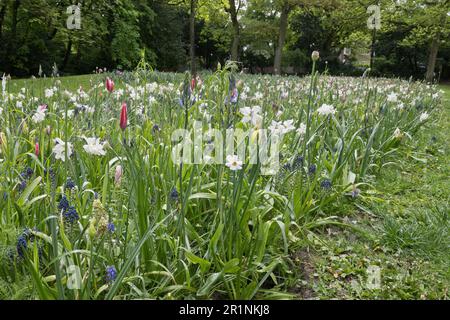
[(48, 130), (36, 149), (193, 83), (109, 85), (118, 175), (123, 117), (315, 55)]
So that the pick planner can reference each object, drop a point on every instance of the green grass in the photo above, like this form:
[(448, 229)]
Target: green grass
[(317, 243), (38, 85), (446, 89), (408, 223)]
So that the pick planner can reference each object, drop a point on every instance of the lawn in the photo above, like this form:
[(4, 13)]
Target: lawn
[(95, 205), (408, 223)]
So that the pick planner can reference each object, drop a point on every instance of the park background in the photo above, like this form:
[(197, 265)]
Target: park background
[(42, 37)]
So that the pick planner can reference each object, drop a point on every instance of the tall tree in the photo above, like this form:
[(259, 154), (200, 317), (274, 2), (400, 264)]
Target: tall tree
[(285, 7), (438, 32), (233, 11), (425, 23), (2, 16), (284, 17), (192, 38)]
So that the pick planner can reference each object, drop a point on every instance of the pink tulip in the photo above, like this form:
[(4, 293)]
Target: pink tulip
[(36, 149), (109, 85), (123, 117)]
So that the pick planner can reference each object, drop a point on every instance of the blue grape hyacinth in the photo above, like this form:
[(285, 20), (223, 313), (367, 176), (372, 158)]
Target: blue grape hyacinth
[(111, 274)]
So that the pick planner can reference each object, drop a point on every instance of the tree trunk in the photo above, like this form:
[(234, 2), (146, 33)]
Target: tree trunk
[(281, 38), (67, 55), (11, 47), (236, 31), (235, 44), (192, 39), (14, 18), (434, 48), (2, 17)]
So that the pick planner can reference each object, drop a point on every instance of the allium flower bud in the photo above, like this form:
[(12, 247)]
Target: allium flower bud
[(240, 85), (398, 134), (3, 142), (199, 82), (315, 55), (24, 128)]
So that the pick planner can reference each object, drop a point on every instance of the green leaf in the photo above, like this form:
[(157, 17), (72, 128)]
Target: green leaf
[(215, 238), (231, 266), (212, 279), (204, 264), (26, 193), (201, 195)]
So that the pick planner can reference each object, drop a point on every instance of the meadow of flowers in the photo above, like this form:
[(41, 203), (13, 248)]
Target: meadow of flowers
[(93, 205)]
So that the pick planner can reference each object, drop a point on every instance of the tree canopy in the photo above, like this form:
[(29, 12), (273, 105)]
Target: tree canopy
[(271, 36)]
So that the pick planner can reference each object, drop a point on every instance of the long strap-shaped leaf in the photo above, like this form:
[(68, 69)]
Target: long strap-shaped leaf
[(130, 260)]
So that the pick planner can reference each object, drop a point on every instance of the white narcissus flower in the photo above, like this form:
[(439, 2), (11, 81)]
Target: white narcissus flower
[(251, 115), (94, 147), (326, 109), (276, 127), (39, 116), (424, 116), (49, 93), (282, 127), (59, 149), (288, 126), (152, 100), (70, 114), (302, 129), (233, 162), (392, 97), (258, 96)]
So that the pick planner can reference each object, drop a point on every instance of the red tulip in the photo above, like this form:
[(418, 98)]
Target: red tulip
[(123, 117), (109, 85), (36, 149), (193, 83)]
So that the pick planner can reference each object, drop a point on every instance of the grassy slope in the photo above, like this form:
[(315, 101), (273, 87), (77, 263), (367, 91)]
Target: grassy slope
[(407, 220), (407, 224), (38, 85)]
